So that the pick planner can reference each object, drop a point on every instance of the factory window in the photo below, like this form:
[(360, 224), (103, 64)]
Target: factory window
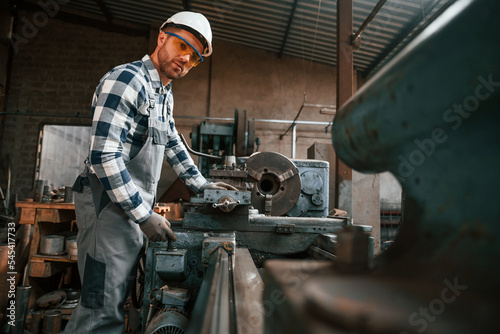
[(62, 150)]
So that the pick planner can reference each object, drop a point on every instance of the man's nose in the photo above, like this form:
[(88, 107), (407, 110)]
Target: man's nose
[(186, 57)]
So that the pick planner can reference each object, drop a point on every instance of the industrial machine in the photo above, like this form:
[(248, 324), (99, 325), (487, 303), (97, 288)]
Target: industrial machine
[(430, 117), (210, 279), (224, 139)]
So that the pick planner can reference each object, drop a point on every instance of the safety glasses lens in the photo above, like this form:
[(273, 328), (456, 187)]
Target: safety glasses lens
[(183, 49)]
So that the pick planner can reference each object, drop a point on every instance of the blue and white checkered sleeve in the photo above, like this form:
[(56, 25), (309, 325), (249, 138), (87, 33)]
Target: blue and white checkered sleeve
[(114, 106), (182, 163)]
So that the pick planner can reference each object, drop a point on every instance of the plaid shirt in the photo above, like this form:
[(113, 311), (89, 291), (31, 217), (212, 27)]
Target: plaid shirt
[(119, 130)]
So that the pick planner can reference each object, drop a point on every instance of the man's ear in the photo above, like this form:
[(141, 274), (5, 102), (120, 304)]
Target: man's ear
[(162, 38)]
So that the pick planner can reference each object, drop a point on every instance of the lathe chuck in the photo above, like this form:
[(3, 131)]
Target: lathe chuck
[(277, 182)]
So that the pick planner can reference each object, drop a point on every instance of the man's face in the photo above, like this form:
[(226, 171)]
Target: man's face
[(173, 63)]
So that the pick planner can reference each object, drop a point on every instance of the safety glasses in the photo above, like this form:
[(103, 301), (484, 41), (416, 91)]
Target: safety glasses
[(184, 47)]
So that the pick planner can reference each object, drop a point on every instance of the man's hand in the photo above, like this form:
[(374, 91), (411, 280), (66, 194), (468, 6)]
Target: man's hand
[(157, 228), (219, 186)]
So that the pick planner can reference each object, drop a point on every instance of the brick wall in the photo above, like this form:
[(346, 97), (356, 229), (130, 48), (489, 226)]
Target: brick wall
[(54, 75)]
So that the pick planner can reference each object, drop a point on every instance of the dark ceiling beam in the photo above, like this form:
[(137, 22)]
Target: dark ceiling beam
[(186, 4), (405, 33), (287, 31), (370, 17), (104, 10), (95, 21)]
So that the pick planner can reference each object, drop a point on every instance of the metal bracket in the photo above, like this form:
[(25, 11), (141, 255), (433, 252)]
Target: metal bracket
[(211, 244)]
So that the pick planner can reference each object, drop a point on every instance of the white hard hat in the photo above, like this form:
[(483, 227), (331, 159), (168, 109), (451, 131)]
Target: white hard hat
[(195, 23)]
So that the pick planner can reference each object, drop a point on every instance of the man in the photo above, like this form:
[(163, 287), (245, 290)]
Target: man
[(132, 129)]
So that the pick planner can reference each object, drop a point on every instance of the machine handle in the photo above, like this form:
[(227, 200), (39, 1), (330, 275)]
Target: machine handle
[(226, 203)]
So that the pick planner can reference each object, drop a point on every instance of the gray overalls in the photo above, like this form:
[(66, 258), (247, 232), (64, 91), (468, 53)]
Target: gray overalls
[(109, 242)]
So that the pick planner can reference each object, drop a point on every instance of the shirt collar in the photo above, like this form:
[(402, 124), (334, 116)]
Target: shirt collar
[(154, 75)]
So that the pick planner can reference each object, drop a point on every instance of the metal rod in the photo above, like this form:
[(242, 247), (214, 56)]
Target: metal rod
[(213, 309), (261, 120), (319, 105), (370, 17), (304, 105), (288, 121), (190, 150), (294, 139)]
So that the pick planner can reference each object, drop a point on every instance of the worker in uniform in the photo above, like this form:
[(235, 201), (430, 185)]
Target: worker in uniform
[(132, 130)]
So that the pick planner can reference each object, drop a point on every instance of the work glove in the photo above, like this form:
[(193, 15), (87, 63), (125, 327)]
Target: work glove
[(219, 186), (157, 228)]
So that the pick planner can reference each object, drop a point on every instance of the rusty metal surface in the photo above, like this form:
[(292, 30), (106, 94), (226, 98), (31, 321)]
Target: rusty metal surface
[(248, 288), (275, 175)]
